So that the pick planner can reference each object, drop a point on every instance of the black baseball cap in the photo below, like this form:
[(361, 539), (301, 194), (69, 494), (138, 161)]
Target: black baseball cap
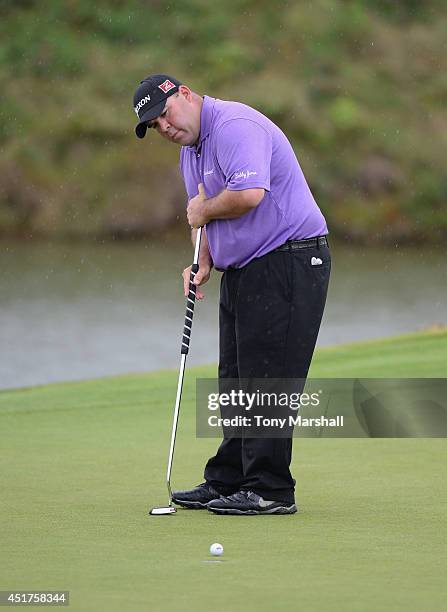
[(150, 99)]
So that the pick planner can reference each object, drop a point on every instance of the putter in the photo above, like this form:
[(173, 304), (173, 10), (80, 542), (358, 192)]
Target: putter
[(190, 301)]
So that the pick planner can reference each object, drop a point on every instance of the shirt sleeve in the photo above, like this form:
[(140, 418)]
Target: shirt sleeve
[(244, 153), (189, 179), (181, 166)]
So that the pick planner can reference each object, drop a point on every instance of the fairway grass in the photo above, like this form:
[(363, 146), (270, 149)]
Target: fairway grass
[(81, 464)]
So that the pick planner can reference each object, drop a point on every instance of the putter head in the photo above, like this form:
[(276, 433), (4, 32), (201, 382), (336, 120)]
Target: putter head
[(165, 510)]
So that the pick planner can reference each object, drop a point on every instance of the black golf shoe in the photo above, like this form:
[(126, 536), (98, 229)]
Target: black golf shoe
[(195, 498), (247, 502)]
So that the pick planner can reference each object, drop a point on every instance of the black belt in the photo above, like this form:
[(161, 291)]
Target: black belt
[(294, 245)]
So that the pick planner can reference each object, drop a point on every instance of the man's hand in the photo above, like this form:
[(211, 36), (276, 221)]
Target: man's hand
[(200, 278), (196, 209)]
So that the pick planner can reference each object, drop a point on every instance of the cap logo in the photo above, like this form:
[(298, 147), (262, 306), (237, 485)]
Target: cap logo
[(166, 86), (142, 102)]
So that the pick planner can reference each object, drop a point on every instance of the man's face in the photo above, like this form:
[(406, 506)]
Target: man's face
[(180, 120)]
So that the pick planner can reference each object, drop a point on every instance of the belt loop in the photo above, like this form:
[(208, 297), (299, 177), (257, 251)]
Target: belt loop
[(289, 244), (318, 242)]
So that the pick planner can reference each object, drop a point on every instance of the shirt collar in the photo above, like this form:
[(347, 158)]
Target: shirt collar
[(206, 115)]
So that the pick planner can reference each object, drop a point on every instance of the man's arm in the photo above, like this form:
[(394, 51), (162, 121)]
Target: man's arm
[(232, 204), (228, 204)]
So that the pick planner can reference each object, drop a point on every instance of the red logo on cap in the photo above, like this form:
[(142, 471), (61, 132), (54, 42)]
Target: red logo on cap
[(166, 86)]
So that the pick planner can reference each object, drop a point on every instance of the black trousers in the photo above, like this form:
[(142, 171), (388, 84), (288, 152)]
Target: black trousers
[(270, 315)]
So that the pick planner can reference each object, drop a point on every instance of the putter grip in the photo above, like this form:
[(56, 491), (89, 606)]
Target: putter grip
[(190, 302)]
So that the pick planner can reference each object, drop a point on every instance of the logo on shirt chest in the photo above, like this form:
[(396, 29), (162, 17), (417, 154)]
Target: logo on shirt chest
[(245, 174), (208, 172)]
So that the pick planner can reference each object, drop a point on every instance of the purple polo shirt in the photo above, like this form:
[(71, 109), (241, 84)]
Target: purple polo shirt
[(239, 148)]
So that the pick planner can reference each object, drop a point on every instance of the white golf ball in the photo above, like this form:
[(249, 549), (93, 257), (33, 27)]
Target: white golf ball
[(216, 549)]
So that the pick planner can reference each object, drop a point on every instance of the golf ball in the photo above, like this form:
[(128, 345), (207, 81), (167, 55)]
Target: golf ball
[(216, 549)]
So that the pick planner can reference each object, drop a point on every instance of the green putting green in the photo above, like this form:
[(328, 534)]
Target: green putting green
[(82, 463)]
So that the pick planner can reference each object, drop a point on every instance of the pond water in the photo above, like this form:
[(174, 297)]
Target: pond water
[(77, 311)]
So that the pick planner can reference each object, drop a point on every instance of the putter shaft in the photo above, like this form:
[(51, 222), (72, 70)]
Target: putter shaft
[(190, 302)]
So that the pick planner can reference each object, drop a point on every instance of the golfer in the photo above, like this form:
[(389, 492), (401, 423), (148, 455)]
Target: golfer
[(266, 234)]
